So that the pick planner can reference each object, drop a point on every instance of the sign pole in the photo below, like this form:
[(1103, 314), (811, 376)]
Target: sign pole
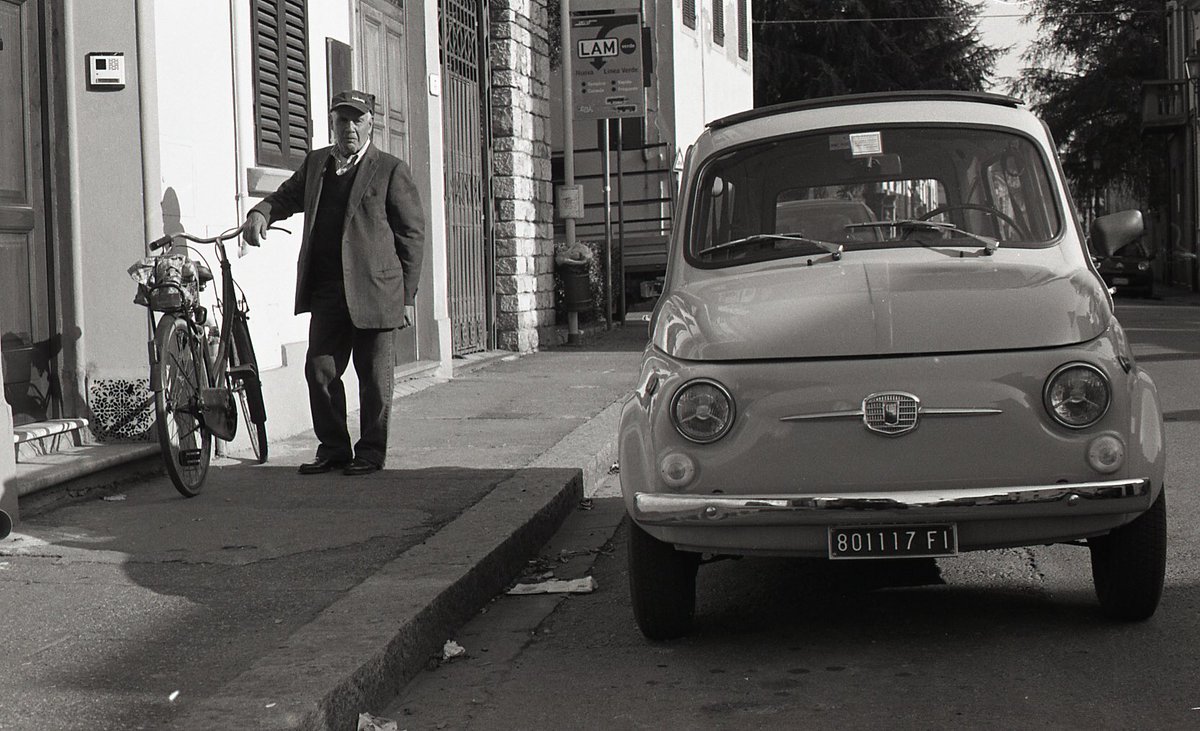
[(564, 28), (620, 229), (606, 48), (606, 164)]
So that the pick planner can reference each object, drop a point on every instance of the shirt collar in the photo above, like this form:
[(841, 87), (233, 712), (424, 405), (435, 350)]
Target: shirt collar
[(344, 164)]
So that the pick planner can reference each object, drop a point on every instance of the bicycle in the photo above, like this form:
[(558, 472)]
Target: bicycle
[(201, 374)]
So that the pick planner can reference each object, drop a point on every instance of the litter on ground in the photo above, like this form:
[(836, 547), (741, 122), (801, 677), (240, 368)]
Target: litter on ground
[(367, 722), (585, 585), (452, 650)]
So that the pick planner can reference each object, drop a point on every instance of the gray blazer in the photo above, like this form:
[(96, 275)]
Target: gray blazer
[(383, 238)]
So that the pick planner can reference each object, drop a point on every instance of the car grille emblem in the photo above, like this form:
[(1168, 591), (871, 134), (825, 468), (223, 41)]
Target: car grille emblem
[(891, 414)]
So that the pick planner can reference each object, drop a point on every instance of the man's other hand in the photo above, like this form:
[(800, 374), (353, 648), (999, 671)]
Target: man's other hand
[(410, 316), (254, 230)]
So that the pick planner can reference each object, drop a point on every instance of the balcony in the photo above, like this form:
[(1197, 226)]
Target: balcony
[(1164, 105)]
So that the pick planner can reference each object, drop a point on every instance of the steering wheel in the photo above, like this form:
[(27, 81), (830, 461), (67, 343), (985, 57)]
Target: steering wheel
[(977, 207)]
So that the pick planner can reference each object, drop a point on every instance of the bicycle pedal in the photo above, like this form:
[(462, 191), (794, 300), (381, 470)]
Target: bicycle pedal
[(189, 457)]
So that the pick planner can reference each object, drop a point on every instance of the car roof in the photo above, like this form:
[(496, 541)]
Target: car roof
[(874, 98)]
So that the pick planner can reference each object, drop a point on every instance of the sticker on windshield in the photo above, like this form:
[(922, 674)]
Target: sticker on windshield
[(866, 143)]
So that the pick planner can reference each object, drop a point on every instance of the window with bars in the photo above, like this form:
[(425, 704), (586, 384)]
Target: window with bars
[(689, 13), (719, 22), (743, 31), (283, 129)]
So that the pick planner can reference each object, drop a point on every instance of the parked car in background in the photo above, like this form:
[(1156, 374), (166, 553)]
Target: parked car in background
[(1128, 270), (942, 372)]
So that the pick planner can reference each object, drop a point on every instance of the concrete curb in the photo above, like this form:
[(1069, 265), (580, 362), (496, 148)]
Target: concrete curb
[(356, 654), (592, 447)]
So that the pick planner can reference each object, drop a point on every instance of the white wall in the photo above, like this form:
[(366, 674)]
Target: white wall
[(727, 81), (207, 144), (205, 104)]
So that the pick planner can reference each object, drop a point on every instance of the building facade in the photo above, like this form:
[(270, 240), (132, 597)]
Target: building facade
[(129, 119), (1171, 113)]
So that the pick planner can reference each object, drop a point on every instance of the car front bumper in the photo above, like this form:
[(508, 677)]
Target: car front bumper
[(798, 523)]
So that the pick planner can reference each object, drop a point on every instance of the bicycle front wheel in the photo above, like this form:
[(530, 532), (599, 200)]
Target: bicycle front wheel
[(186, 444), (248, 388)]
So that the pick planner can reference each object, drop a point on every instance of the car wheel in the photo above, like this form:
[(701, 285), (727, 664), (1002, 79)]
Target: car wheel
[(1129, 564), (662, 586)]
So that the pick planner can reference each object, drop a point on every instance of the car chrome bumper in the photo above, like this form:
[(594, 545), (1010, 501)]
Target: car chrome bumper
[(1081, 498)]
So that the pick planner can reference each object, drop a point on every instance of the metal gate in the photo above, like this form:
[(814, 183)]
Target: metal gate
[(466, 127)]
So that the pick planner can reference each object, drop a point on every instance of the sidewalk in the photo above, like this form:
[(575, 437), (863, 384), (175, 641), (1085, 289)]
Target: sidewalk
[(275, 600)]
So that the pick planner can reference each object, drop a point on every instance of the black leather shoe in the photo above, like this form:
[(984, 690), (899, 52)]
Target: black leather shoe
[(359, 466), (321, 465)]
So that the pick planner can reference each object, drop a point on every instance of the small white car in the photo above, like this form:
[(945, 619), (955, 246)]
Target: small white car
[(942, 372)]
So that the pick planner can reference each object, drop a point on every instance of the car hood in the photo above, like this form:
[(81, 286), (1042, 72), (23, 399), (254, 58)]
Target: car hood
[(849, 309)]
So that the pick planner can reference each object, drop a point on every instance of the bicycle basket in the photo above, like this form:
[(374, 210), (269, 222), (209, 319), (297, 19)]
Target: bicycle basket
[(166, 283)]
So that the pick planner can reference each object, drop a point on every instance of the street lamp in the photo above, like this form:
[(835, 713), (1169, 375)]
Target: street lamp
[(1191, 65)]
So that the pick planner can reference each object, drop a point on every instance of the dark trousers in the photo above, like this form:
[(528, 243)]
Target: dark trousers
[(332, 341)]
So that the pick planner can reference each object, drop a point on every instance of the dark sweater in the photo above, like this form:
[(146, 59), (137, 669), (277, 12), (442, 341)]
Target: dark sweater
[(325, 261)]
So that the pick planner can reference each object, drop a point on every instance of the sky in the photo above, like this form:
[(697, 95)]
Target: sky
[(1005, 31)]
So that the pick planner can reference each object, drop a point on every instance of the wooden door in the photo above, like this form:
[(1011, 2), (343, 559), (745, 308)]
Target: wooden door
[(383, 55), (25, 318)]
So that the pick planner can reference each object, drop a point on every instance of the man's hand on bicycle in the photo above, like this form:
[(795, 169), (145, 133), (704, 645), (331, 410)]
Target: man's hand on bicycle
[(254, 230)]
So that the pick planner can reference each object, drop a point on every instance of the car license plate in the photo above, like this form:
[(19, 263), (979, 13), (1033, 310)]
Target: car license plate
[(1120, 280), (893, 541)]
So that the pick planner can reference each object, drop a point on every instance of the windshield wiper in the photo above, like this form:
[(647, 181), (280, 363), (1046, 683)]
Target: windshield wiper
[(989, 244), (834, 250)]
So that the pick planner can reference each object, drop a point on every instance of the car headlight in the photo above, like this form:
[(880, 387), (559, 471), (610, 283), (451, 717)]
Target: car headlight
[(702, 410), (1077, 395)]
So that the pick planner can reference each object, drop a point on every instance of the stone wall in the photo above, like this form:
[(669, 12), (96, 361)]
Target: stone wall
[(521, 183)]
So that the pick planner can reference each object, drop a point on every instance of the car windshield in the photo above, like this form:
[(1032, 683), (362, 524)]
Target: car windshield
[(869, 188)]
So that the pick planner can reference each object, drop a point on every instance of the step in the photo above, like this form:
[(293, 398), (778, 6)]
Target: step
[(47, 437), (78, 462), (42, 429)]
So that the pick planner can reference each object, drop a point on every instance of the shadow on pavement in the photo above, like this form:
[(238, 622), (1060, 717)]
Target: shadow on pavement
[(186, 593)]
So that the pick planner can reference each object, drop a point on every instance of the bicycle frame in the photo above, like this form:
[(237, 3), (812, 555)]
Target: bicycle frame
[(217, 410)]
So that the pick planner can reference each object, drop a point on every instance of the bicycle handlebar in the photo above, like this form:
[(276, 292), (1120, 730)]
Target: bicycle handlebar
[(165, 241)]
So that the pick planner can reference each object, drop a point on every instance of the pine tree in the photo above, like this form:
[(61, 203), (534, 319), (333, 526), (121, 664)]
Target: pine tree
[(812, 48)]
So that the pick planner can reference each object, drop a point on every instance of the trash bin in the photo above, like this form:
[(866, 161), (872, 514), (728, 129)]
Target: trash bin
[(573, 266)]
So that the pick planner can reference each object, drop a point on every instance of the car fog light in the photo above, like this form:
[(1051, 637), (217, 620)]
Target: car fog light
[(1143, 266), (677, 469), (1106, 453)]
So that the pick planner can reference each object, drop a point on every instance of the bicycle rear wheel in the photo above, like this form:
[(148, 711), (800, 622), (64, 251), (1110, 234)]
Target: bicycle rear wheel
[(246, 384), (186, 444)]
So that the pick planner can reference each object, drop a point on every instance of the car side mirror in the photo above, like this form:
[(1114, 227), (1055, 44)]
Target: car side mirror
[(1115, 230)]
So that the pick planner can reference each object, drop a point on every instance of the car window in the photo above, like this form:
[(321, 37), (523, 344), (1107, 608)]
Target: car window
[(827, 185)]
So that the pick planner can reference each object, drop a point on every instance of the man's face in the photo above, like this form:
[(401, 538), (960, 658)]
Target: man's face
[(351, 129)]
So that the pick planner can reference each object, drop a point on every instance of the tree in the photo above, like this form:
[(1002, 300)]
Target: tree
[(812, 48), (1083, 76)]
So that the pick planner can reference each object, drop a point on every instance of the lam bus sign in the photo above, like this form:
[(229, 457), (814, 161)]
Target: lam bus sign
[(607, 64)]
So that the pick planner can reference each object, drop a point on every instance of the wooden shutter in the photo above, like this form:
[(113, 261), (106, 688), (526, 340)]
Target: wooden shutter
[(689, 13), (719, 22), (743, 31), (283, 128)]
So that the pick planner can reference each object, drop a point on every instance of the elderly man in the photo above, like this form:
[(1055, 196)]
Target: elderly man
[(360, 261)]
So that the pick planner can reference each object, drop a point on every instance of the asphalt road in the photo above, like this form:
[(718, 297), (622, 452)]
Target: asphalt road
[(1007, 639)]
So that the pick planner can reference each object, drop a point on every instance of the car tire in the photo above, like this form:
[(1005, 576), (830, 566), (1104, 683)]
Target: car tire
[(1129, 565), (662, 586)]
